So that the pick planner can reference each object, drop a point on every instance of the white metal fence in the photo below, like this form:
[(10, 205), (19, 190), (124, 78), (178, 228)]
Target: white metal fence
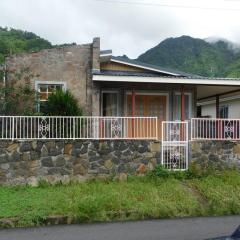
[(22, 128), (38, 127), (215, 129), (175, 145)]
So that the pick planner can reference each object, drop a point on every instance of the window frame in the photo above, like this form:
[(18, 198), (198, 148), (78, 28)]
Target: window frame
[(37, 89), (221, 107)]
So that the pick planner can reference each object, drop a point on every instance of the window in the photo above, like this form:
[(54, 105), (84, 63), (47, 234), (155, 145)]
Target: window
[(223, 111), (45, 90), (110, 103), (177, 106)]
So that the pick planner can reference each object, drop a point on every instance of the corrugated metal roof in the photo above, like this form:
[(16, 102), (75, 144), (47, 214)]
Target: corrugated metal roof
[(148, 74), (126, 73)]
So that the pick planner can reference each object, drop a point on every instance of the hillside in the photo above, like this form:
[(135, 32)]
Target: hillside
[(216, 59), (16, 41)]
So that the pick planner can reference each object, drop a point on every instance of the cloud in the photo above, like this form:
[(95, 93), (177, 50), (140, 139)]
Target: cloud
[(126, 28)]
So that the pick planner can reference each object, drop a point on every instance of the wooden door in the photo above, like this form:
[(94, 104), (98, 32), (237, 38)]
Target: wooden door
[(146, 106)]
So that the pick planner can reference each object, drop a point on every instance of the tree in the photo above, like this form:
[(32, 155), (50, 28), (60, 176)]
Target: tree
[(19, 101)]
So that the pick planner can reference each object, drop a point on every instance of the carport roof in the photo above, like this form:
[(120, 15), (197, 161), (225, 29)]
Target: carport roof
[(141, 77)]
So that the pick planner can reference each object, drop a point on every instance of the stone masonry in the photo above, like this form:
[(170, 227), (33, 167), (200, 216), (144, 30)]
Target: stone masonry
[(29, 162), (71, 65), (218, 154)]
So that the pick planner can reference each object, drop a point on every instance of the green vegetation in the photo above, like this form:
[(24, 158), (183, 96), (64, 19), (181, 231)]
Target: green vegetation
[(233, 70), (17, 41), (20, 101), (195, 56), (62, 103), (221, 192), (153, 196)]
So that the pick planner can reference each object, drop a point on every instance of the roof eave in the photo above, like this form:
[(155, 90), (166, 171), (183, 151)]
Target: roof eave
[(169, 80)]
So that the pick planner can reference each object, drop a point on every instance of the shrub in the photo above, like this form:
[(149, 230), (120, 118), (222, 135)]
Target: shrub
[(62, 103), (159, 172)]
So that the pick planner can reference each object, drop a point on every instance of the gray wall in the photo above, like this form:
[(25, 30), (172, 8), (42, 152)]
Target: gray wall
[(54, 161), (27, 162), (218, 154), (72, 65)]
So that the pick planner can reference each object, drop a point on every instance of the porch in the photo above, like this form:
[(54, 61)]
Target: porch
[(172, 98), (164, 102)]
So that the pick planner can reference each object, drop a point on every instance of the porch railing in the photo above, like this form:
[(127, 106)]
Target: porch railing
[(22, 127), (215, 129)]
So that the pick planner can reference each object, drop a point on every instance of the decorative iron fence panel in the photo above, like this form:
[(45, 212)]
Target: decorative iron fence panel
[(175, 145), (215, 129), (22, 128)]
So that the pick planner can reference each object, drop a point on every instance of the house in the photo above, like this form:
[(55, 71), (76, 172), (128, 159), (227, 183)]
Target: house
[(159, 108), (108, 86)]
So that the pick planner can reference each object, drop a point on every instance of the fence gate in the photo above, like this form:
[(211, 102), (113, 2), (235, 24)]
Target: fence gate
[(175, 145)]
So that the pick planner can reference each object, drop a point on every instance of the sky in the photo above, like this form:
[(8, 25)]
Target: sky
[(126, 26)]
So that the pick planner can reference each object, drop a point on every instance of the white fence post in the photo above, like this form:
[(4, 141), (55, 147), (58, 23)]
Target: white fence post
[(13, 127), (74, 128)]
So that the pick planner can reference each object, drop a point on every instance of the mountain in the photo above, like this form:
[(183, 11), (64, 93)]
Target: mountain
[(16, 41), (214, 57), (217, 58)]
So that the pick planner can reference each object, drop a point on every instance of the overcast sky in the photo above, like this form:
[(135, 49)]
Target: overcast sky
[(127, 28)]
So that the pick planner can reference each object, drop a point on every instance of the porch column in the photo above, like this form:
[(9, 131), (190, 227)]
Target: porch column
[(182, 104), (133, 103), (217, 107), (133, 112)]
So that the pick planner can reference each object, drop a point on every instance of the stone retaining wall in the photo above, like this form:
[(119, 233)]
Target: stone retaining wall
[(219, 154), (54, 161), (27, 162)]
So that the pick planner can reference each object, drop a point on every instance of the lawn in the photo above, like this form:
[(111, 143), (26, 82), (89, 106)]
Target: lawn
[(136, 198)]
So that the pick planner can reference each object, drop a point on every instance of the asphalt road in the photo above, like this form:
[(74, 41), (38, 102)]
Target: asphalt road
[(181, 229)]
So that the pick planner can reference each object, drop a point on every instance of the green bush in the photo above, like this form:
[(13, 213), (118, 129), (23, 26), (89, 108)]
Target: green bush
[(162, 173), (195, 171), (62, 103), (159, 172)]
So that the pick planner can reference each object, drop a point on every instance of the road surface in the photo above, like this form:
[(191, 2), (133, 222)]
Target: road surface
[(171, 229)]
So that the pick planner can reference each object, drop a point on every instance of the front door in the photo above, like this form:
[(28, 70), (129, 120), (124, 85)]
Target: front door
[(148, 106)]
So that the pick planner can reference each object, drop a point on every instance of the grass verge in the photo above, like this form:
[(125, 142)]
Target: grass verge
[(134, 199)]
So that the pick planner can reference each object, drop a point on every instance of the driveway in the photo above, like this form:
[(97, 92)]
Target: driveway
[(181, 229)]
